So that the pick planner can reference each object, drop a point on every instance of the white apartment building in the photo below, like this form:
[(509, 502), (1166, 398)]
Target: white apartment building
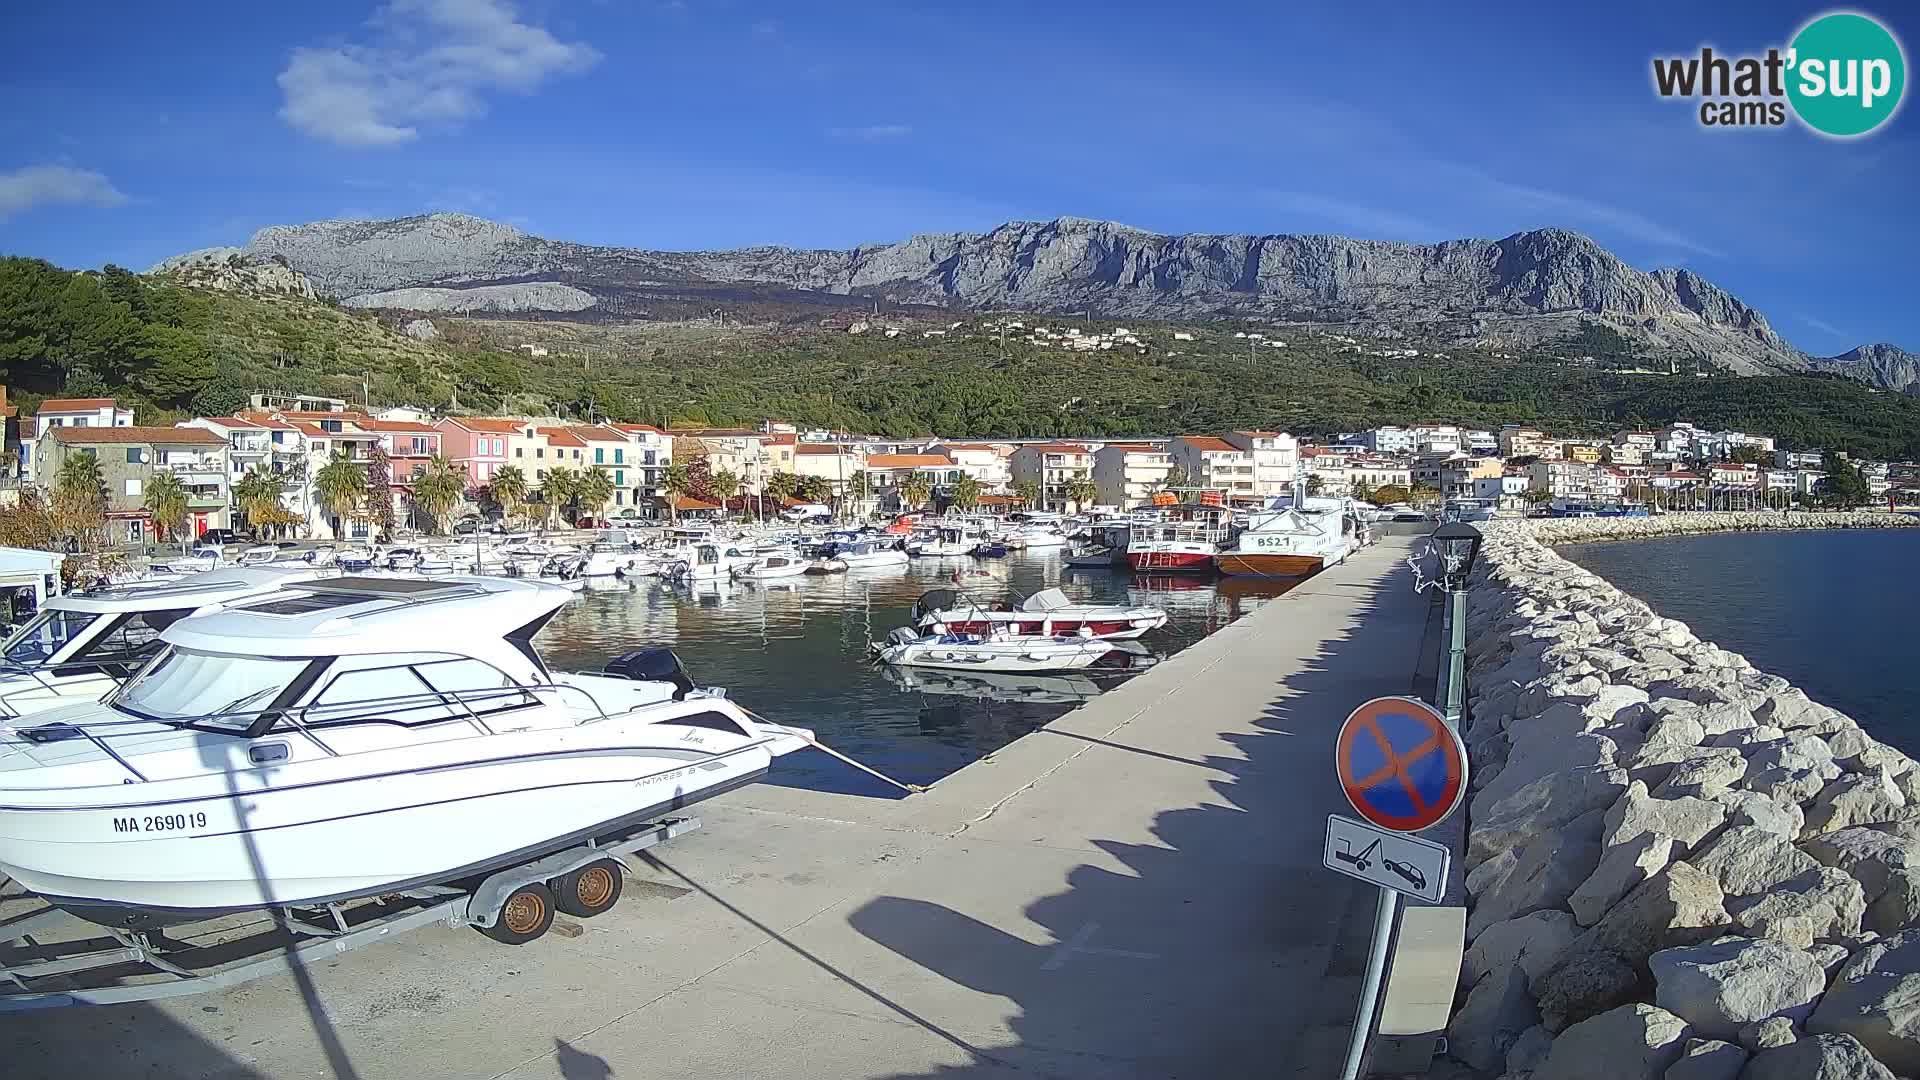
[(1208, 462), (1054, 467), (83, 412), (1481, 444), (1377, 472), (1128, 474), (1383, 440), (988, 463), (651, 452), (1563, 479), (1627, 454), (833, 462), (1505, 489), (1800, 459), (1517, 441), (1438, 439), (1276, 459)]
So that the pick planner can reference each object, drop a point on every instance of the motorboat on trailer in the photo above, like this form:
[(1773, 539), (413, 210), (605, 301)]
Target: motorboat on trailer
[(354, 737), (81, 645), (999, 651), (1046, 613)]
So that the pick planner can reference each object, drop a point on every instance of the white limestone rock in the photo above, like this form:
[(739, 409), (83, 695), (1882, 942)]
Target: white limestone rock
[(1821, 1057), (1708, 1059), (1703, 772), (1530, 943), (1721, 987), (1632, 1042), (1545, 872), (1541, 807), (1876, 999), (1747, 860), (1767, 1034), (1533, 758), (1689, 820), (1752, 808), (1855, 799), (1621, 869), (1497, 1012), (1869, 854), (1819, 905)]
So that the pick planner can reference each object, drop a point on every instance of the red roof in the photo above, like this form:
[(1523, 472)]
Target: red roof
[(559, 436), (173, 436), (487, 424), (1056, 448), (78, 404), (638, 427), (597, 433), (1209, 443), (1132, 446), (907, 461), (785, 438), (688, 502), (399, 425)]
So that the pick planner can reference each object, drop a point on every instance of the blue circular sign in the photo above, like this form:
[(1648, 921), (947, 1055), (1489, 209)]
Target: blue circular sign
[(1400, 765)]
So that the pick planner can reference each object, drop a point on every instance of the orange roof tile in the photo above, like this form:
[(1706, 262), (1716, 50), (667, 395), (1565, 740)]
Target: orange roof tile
[(399, 425), (638, 427), (77, 404), (559, 436), (1056, 448), (488, 424), (597, 433), (907, 461), (1208, 442)]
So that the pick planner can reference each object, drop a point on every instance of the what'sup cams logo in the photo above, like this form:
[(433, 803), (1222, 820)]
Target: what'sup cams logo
[(1843, 75)]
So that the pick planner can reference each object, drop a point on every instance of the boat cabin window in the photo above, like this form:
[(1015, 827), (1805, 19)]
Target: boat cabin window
[(714, 720), (46, 634), (214, 691), (133, 637), (408, 690)]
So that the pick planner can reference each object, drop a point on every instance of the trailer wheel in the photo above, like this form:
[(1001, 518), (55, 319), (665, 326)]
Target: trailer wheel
[(526, 914), (590, 890)]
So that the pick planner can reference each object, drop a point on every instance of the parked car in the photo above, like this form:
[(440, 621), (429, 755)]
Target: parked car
[(225, 536)]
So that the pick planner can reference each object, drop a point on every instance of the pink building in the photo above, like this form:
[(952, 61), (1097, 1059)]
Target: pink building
[(476, 445)]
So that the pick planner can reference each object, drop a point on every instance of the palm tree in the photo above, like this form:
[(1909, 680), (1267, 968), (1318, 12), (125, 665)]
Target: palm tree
[(559, 488), (80, 497), (783, 485), (1082, 490), (915, 490), (815, 489), (1314, 483), (342, 486), (1029, 492), (677, 482), (726, 485), (258, 495), (437, 490), (1360, 489), (594, 489), (166, 500), (509, 486), (966, 492)]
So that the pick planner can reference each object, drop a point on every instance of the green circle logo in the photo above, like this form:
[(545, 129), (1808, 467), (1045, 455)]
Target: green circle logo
[(1846, 74)]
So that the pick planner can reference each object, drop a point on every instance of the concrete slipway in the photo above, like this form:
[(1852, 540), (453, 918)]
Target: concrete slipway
[(1135, 891)]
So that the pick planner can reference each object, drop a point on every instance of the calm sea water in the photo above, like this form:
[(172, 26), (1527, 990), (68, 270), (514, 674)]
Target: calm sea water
[(1831, 611), (796, 651)]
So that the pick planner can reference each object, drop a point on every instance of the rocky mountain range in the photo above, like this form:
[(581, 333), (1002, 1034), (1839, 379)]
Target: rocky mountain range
[(1883, 365), (1521, 290)]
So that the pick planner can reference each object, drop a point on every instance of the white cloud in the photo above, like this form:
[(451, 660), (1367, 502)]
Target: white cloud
[(44, 185), (872, 132), (435, 62), (1826, 328)]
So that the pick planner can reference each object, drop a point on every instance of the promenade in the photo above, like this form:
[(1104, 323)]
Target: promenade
[(1133, 891)]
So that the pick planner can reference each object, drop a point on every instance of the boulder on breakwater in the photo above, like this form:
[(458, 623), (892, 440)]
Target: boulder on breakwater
[(1677, 865), (1581, 530)]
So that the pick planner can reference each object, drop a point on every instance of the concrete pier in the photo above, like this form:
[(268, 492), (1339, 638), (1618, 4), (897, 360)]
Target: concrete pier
[(1134, 891)]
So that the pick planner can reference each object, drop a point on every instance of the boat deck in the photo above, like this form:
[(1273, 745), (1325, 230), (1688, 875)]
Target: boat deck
[(1134, 891)]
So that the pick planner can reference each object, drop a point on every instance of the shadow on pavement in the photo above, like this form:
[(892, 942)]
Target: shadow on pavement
[(1224, 865)]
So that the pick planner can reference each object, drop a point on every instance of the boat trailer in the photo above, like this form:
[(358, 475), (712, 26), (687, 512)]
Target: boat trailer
[(116, 966)]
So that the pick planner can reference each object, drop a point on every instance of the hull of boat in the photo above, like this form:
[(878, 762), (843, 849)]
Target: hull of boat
[(878, 558), (1001, 658), (171, 851), (1116, 627), (1260, 564), (1157, 560)]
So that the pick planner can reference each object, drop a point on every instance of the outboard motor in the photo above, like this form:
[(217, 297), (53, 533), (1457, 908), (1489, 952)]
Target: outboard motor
[(658, 664), (933, 600), (901, 635)]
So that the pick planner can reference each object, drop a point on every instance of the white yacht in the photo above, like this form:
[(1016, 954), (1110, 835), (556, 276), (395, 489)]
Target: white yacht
[(866, 553), (706, 561), (83, 644), (350, 738), (772, 567), (1045, 613), (1000, 651)]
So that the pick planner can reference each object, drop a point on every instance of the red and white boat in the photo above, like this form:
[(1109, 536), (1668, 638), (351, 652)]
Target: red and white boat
[(1047, 613), (1180, 545)]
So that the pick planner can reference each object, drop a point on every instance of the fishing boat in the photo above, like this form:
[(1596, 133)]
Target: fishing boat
[(1291, 541), (997, 652), (772, 568), (351, 738), (80, 645), (1106, 548), (1045, 613), (1186, 542)]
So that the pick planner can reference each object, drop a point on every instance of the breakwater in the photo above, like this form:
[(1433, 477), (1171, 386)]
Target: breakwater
[(1592, 529), (1672, 856)]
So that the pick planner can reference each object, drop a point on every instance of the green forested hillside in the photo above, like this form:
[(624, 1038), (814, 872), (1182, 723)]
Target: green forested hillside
[(176, 351)]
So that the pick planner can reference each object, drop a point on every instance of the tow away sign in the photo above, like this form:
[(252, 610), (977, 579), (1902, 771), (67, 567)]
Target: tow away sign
[(1391, 860)]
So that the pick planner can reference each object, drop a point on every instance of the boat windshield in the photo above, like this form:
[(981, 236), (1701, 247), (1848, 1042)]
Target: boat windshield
[(46, 634), (216, 691)]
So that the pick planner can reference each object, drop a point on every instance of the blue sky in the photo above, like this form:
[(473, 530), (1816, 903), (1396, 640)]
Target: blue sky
[(129, 137)]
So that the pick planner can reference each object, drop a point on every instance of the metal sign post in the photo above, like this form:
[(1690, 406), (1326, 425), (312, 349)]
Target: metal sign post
[(1403, 768)]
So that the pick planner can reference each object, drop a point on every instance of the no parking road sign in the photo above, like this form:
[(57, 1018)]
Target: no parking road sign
[(1401, 766)]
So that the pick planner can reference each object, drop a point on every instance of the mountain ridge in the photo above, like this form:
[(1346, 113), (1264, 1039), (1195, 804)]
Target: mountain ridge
[(1524, 289)]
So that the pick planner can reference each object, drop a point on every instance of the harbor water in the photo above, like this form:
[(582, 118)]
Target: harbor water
[(797, 652), (1831, 611)]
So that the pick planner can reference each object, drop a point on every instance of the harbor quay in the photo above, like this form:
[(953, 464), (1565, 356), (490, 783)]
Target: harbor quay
[(1134, 890)]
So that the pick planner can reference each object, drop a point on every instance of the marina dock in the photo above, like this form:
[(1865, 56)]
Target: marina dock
[(1133, 891)]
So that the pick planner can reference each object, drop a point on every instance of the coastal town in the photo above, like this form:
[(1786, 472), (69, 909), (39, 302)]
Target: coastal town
[(283, 444)]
